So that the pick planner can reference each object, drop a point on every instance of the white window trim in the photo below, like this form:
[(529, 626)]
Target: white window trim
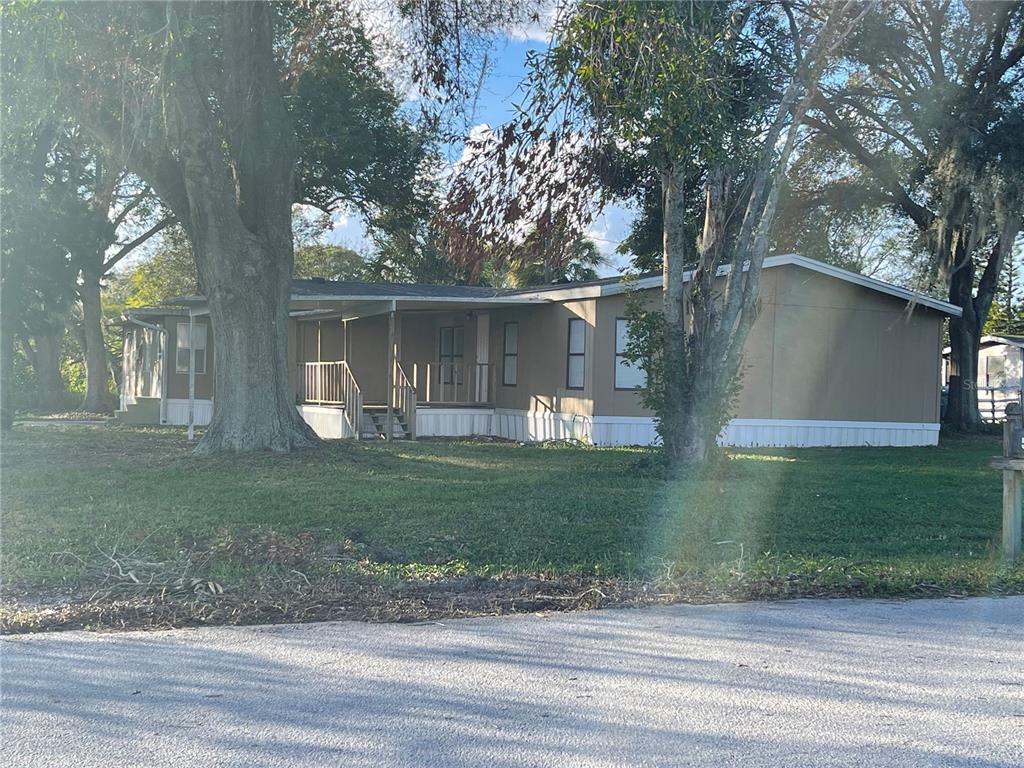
[(182, 333)]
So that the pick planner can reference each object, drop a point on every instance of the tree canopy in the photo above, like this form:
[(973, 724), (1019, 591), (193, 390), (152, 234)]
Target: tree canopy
[(208, 104), (928, 118)]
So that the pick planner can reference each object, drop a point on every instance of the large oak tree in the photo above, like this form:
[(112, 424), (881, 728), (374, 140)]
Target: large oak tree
[(929, 116), (197, 100), (191, 98)]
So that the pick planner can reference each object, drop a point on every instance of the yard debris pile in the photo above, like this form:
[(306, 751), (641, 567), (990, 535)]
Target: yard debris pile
[(303, 580)]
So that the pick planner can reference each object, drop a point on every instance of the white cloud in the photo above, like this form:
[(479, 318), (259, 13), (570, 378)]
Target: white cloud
[(349, 231), (609, 229), (539, 29)]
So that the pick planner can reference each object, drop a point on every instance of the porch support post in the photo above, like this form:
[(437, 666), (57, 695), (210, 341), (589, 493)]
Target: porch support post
[(191, 374), (483, 357), (390, 420), (165, 354)]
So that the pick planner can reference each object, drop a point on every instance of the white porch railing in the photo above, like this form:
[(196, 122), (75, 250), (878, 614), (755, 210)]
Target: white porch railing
[(332, 384), (454, 383)]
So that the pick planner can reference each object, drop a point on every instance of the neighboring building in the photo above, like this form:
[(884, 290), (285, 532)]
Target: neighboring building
[(834, 358), (999, 374)]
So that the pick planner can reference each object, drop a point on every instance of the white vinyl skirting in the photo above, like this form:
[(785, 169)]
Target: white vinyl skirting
[(805, 434), (330, 423), (529, 426), (177, 412), (534, 426)]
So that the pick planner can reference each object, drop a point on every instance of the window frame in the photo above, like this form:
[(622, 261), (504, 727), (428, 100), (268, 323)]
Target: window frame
[(1000, 368), (569, 355), (615, 361), (505, 354), (179, 334)]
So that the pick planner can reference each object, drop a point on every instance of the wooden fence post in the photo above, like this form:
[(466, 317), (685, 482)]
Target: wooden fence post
[(1012, 465)]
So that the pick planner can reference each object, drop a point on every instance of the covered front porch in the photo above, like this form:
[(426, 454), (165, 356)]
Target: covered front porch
[(366, 369)]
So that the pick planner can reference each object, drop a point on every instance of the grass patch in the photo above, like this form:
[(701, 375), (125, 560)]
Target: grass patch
[(126, 521)]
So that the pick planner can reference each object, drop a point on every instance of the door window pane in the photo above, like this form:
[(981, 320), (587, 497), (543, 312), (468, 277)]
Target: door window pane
[(510, 366), (450, 355)]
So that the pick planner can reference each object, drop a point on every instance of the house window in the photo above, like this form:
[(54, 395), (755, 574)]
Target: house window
[(577, 354), (510, 365), (450, 355), (995, 371), (627, 375), (198, 346)]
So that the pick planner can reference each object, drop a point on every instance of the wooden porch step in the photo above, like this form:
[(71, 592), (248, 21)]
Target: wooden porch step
[(375, 421)]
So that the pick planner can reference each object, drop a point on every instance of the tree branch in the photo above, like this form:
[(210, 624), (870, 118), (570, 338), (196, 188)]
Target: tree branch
[(132, 245), (879, 167), (136, 201)]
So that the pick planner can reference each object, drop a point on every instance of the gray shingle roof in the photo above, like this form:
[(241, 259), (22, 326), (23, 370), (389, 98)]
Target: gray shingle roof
[(347, 288)]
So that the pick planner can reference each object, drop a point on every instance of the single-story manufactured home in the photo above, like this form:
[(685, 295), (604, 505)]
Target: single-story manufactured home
[(833, 359), (1000, 370)]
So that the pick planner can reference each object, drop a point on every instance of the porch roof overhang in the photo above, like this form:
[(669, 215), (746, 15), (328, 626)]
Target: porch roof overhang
[(134, 313), (365, 301), (993, 340), (352, 308)]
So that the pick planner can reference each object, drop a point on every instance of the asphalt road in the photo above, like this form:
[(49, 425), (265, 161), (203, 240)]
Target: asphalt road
[(839, 683)]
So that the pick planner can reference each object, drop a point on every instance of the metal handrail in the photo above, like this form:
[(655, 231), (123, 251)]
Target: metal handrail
[(403, 398)]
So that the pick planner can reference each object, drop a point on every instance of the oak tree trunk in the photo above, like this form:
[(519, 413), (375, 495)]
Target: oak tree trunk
[(94, 349), (964, 343), (957, 254), (6, 376), (248, 301), (44, 355), (676, 418)]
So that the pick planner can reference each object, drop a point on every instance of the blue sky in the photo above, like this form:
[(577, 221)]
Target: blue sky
[(494, 106)]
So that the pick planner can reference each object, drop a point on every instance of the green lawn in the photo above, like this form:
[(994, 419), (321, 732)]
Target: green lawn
[(759, 523)]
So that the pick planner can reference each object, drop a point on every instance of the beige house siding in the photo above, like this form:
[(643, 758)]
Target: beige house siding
[(543, 358), (820, 349)]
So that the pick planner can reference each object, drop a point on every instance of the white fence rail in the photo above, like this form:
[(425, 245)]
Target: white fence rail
[(992, 402)]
